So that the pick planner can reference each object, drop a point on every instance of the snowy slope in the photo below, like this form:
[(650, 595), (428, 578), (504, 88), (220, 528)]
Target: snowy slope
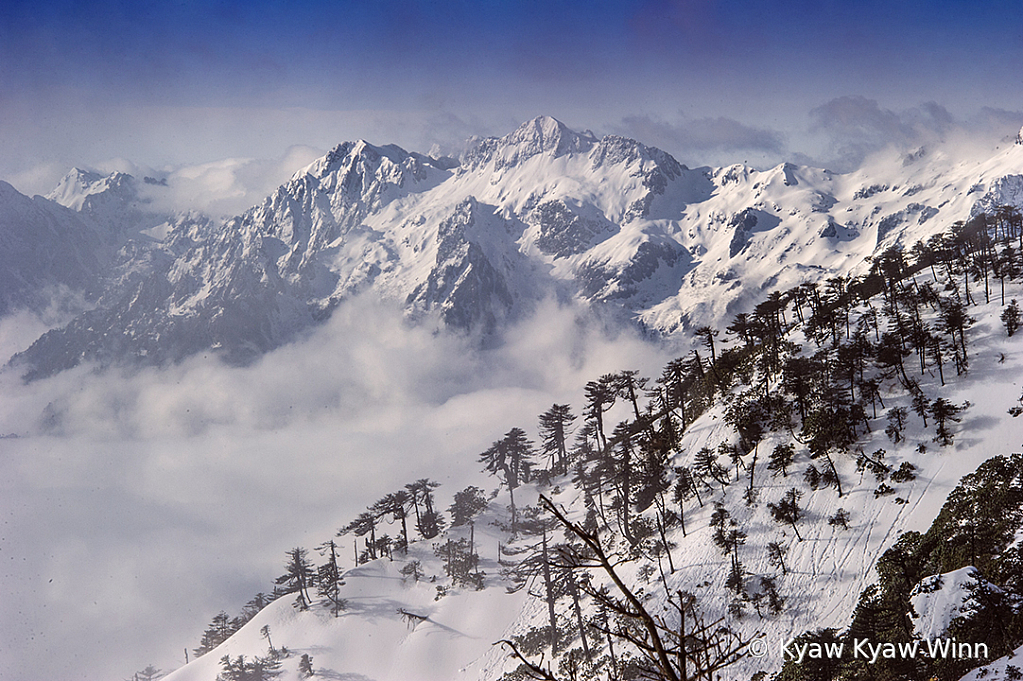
[(371, 639), (44, 246)]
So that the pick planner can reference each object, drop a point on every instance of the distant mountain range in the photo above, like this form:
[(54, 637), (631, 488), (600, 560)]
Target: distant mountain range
[(544, 211)]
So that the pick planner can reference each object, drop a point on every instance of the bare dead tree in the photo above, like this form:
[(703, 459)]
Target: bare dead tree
[(691, 650)]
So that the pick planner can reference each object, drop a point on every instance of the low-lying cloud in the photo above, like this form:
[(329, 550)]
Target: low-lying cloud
[(219, 188), (138, 504)]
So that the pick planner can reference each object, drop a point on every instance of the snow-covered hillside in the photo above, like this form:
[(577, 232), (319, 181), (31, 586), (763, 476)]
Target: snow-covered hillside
[(825, 569)]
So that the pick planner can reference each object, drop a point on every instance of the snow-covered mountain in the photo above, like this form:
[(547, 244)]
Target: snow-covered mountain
[(43, 246), (478, 241)]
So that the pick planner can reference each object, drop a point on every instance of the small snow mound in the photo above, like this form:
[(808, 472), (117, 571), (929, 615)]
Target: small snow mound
[(939, 599)]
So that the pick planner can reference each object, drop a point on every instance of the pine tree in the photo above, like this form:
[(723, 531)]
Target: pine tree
[(396, 505), (600, 397), (365, 523), (705, 465), (511, 457), (467, 504), (628, 385), (461, 562), (787, 510), (776, 554), (255, 605), (708, 334), (675, 381), (955, 320), (428, 522), (150, 673), (540, 564), (299, 577), (781, 458), (1011, 317), (812, 477), (329, 576), (555, 429), (840, 519), (412, 570), (896, 424), (257, 669), (775, 602), (305, 666), (220, 630), (944, 412)]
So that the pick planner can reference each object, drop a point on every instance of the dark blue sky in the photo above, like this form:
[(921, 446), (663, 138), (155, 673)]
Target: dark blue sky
[(189, 81)]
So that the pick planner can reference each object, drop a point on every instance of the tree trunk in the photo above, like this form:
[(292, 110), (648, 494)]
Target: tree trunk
[(548, 584), (574, 591)]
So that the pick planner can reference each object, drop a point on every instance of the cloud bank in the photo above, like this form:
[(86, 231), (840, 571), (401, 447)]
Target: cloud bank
[(138, 504)]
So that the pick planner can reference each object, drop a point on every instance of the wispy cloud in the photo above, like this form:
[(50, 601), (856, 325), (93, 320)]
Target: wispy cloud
[(702, 134), (226, 187), (703, 140), (854, 127)]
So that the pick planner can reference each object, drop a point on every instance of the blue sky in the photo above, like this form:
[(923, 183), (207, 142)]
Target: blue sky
[(709, 80)]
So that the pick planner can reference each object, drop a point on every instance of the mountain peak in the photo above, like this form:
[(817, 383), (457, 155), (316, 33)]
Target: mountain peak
[(351, 150), (80, 189), (541, 135)]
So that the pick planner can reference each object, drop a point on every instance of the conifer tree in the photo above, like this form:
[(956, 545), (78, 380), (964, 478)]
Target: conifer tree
[(708, 334), (429, 523), (840, 519), (540, 564), (896, 423), (781, 458), (299, 577), (329, 577), (600, 397), (305, 666), (220, 630), (364, 524), (628, 385), (255, 604), (705, 465), (467, 504), (1011, 317), (944, 412), (776, 554), (510, 457), (396, 505), (775, 602), (150, 673), (257, 669), (787, 510), (674, 381), (555, 429)]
